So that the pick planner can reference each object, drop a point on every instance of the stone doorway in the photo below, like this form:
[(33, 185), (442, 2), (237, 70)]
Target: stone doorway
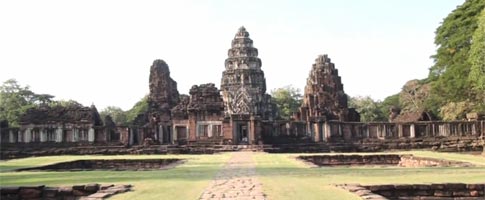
[(181, 133), (242, 134)]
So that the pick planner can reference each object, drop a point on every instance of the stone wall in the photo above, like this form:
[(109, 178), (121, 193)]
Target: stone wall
[(89, 191), (444, 191)]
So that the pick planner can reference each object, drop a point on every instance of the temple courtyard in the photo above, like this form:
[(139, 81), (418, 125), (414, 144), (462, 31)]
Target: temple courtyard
[(256, 175)]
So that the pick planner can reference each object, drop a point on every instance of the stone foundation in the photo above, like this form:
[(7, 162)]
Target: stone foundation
[(445, 191), (117, 164), (82, 192), (380, 159)]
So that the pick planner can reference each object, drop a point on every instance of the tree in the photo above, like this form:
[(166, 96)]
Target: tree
[(369, 109), (139, 108), (287, 99), (15, 100), (449, 75), (413, 96), (477, 61), (117, 114), (388, 103)]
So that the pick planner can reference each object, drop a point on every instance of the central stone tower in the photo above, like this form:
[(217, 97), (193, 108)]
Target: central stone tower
[(243, 84), (243, 89)]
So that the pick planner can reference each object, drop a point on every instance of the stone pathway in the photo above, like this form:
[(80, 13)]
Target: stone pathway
[(236, 180)]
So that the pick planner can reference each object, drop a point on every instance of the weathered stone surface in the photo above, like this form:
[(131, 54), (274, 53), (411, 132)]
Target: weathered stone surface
[(324, 97), (72, 113), (163, 91)]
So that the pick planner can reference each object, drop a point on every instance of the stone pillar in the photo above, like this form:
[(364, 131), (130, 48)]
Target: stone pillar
[(28, 135), (91, 135), (316, 130), (160, 131), (174, 131), (59, 134), (412, 133), (11, 137), (327, 131), (130, 137), (252, 130), (399, 131), (75, 134), (43, 135)]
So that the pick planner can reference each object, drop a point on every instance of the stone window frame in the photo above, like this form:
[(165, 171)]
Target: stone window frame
[(211, 129)]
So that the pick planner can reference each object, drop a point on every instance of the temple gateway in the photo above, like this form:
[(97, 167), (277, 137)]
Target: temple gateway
[(239, 112)]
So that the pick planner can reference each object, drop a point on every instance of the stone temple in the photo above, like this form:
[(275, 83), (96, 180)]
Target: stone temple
[(239, 112)]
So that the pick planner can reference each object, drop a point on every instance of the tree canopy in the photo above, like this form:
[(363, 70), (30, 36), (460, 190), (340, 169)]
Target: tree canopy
[(369, 109), (287, 99), (456, 75), (15, 100)]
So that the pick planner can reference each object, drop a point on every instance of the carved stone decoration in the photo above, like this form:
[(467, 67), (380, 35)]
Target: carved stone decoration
[(324, 97), (243, 84)]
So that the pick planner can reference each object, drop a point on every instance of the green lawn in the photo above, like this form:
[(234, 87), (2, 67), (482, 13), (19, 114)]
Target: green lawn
[(282, 176), (186, 181)]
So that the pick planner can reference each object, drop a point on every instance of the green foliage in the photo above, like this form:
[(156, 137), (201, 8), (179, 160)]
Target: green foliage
[(369, 109), (456, 111), (385, 106), (477, 61), (455, 59), (287, 99), (139, 108), (15, 100), (117, 114)]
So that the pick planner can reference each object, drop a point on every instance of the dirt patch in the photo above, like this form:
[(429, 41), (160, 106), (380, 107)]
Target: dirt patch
[(407, 160), (116, 164)]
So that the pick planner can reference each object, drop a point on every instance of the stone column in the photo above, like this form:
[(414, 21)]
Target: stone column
[(251, 134), (28, 135), (316, 129), (59, 134), (10, 137), (43, 135), (412, 133), (91, 135), (160, 131), (75, 134), (174, 131), (399, 131), (130, 137)]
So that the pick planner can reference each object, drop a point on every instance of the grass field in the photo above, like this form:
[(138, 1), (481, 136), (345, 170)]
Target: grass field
[(282, 176)]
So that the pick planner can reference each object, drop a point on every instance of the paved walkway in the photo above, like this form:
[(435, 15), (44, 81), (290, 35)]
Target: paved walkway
[(236, 180)]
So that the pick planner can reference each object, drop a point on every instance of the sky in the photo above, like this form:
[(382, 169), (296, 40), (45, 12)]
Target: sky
[(100, 52)]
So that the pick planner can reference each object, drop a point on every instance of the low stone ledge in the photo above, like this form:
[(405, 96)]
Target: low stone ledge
[(84, 192), (114, 164), (444, 191), (406, 160)]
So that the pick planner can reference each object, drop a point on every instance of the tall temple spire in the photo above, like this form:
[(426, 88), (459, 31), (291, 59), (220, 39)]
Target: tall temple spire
[(243, 84)]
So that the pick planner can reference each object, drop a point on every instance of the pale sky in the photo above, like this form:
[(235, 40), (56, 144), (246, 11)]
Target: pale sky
[(101, 51)]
